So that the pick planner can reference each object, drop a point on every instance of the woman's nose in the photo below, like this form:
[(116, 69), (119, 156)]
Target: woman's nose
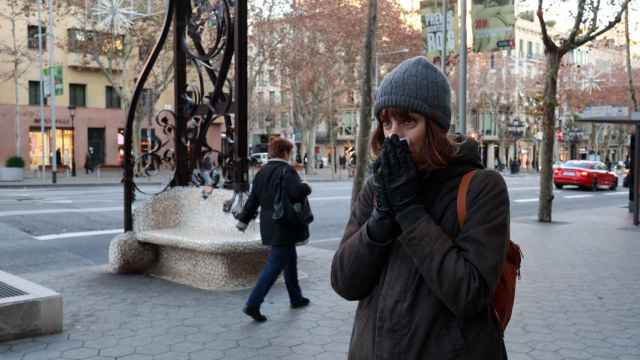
[(396, 129)]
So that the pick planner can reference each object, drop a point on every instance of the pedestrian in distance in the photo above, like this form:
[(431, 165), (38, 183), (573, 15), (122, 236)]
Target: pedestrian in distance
[(87, 164), (424, 283), (59, 158), (282, 238)]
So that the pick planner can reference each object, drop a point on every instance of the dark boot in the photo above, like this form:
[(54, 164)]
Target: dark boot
[(300, 304), (254, 313)]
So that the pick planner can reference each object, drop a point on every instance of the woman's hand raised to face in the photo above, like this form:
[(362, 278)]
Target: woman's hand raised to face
[(399, 174)]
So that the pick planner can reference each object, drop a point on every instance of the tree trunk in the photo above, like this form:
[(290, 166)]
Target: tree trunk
[(364, 128), (16, 77), (548, 126), (632, 90)]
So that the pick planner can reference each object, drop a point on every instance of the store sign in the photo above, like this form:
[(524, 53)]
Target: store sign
[(433, 28), (493, 25), (57, 79), (61, 121), (602, 111)]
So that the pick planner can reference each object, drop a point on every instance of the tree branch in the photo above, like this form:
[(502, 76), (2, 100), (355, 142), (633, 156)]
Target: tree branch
[(546, 39), (592, 35), (576, 24)]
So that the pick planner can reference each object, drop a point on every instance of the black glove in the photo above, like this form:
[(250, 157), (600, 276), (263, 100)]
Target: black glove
[(381, 223), (399, 174), (380, 197)]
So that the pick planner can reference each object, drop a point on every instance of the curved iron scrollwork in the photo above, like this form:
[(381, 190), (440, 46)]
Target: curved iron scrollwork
[(205, 36)]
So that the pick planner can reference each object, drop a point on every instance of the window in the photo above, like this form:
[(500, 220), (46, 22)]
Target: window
[(111, 98), (538, 51), (493, 61), (272, 98), (147, 99), (529, 49), (284, 120), (143, 52), (521, 48), (272, 77), (284, 100), (32, 34), (34, 93), (348, 119), (78, 95)]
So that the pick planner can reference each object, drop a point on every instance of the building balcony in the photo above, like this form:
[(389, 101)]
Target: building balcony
[(86, 62)]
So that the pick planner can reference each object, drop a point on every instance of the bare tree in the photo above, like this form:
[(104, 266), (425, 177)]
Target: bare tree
[(18, 56), (120, 47), (366, 101), (632, 90), (587, 26)]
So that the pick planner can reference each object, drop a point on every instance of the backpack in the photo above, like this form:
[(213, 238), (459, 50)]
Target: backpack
[(505, 293), (284, 211)]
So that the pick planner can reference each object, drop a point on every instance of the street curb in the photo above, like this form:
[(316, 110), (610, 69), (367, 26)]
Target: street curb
[(31, 186), (40, 186)]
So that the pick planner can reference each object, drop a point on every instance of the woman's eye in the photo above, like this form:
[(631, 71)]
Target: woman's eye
[(409, 123), (386, 124)]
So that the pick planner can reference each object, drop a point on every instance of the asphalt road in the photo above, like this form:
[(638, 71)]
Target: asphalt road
[(72, 227)]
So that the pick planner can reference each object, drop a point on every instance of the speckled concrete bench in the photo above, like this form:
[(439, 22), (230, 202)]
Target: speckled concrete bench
[(187, 239)]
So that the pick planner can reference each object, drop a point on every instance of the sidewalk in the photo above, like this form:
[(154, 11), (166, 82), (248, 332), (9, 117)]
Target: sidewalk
[(113, 177), (578, 299)]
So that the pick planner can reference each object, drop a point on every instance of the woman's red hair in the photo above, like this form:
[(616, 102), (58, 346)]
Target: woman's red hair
[(279, 147)]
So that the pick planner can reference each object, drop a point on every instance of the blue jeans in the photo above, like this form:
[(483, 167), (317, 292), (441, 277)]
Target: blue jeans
[(281, 258)]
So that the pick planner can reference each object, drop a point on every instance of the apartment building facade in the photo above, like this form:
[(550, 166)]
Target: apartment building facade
[(95, 132)]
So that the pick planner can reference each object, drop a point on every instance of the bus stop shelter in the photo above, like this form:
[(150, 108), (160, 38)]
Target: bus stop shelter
[(606, 116)]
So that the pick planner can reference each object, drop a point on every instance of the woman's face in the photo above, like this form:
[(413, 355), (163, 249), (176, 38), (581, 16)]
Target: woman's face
[(412, 129)]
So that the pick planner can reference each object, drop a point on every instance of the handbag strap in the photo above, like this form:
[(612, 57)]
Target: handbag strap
[(463, 189)]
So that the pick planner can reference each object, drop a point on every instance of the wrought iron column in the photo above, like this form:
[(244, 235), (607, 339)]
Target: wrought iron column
[(182, 12), (241, 168)]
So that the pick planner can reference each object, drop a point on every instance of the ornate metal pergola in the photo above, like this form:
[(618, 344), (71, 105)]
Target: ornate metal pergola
[(211, 35)]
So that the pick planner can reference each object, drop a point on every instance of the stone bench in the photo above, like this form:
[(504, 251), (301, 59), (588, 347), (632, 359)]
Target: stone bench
[(181, 237)]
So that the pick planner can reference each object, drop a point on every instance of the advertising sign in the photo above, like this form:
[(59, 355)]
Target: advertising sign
[(493, 25), (433, 28), (57, 78)]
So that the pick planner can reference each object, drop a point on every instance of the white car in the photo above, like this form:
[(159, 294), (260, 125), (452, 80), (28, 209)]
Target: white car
[(260, 158)]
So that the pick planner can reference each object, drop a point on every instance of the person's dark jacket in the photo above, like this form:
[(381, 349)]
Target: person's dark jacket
[(427, 293), (262, 194)]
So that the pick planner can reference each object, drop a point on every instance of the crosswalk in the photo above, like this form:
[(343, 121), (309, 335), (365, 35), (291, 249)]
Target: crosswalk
[(575, 196)]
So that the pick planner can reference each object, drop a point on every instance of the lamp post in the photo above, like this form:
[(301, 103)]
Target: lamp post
[(72, 114), (516, 129), (575, 135)]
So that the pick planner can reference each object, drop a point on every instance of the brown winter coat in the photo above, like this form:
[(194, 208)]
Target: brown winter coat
[(427, 293)]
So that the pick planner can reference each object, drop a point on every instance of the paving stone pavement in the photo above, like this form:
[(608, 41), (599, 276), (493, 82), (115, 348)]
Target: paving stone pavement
[(579, 298)]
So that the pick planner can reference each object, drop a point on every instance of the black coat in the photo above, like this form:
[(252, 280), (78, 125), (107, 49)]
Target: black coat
[(427, 293), (262, 194)]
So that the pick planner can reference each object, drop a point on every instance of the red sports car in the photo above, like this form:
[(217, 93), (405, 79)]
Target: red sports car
[(585, 174)]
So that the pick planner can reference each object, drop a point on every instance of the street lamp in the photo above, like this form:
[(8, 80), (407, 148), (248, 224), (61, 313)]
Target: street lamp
[(575, 135), (72, 114), (516, 128)]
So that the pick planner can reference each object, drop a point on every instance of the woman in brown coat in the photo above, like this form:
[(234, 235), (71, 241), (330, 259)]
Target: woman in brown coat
[(424, 285)]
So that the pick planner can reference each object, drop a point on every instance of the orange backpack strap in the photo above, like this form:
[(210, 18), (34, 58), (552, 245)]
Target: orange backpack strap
[(462, 197)]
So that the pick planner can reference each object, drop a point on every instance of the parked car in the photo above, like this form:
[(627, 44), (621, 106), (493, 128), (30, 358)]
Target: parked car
[(260, 158), (585, 174)]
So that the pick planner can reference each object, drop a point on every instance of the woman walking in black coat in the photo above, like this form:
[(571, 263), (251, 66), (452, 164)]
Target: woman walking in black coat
[(281, 238), (424, 284)]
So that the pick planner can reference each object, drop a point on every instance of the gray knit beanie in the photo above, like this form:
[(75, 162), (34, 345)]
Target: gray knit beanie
[(416, 85)]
